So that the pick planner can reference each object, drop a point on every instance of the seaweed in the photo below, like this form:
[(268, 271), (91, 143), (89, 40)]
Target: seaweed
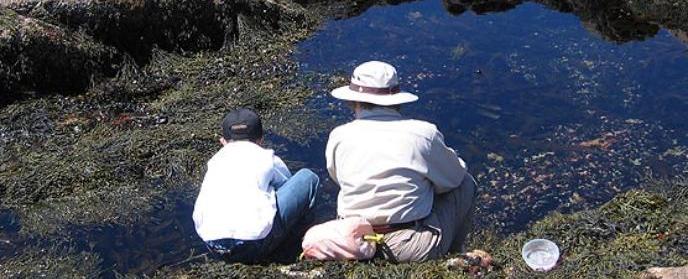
[(620, 239), (64, 262)]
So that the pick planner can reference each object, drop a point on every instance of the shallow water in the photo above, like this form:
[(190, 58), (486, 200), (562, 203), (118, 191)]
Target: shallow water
[(549, 112)]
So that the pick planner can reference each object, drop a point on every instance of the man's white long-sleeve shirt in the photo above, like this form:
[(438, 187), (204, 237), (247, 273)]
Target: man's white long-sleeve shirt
[(389, 168), (237, 197)]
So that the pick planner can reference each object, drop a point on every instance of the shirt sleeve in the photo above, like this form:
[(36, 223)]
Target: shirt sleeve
[(329, 158), (281, 173), (446, 170)]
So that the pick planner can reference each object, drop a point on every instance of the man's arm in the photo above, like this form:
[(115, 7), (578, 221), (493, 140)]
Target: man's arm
[(445, 169)]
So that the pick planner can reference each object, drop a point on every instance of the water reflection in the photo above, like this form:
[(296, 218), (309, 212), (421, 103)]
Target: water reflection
[(613, 20)]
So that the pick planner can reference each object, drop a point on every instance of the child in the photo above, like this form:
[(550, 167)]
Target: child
[(249, 201)]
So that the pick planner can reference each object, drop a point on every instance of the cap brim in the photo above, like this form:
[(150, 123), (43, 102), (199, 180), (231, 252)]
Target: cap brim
[(344, 93)]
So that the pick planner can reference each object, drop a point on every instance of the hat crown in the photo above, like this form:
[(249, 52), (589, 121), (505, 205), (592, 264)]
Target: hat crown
[(375, 74), (242, 124)]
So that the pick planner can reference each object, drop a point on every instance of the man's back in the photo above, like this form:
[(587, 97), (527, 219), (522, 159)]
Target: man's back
[(388, 167)]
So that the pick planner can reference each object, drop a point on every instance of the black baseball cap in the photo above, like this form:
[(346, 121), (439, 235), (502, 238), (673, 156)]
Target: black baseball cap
[(242, 124)]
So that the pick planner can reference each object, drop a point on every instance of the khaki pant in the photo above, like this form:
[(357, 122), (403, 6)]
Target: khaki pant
[(443, 231)]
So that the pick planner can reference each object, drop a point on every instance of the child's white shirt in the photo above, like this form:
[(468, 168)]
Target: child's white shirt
[(237, 197)]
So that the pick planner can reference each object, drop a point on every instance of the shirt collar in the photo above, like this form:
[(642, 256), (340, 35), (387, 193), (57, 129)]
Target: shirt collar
[(379, 113), (241, 144)]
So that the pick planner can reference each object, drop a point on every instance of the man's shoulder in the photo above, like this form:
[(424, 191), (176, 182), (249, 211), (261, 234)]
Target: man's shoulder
[(422, 125), (414, 126), (420, 128)]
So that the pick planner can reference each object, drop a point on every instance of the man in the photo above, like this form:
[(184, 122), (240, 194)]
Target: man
[(249, 202), (397, 172)]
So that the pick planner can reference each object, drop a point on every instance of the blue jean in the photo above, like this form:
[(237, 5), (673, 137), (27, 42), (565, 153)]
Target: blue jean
[(294, 199)]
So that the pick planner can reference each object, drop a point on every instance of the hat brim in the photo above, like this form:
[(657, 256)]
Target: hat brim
[(344, 93)]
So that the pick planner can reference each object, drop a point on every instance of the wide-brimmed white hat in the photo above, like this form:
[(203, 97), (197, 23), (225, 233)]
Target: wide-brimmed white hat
[(374, 82)]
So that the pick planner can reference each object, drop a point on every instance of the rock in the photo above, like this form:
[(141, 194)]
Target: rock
[(672, 14), (603, 142), (457, 7), (137, 26), (667, 273), (42, 57), (63, 46), (495, 157), (475, 262)]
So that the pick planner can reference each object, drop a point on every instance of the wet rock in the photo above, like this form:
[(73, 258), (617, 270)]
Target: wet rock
[(672, 14), (457, 7), (667, 273), (92, 36), (342, 9), (42, 57), (138, 26)]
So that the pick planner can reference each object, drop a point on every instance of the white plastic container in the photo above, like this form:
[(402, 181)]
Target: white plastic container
[(540, 254)]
